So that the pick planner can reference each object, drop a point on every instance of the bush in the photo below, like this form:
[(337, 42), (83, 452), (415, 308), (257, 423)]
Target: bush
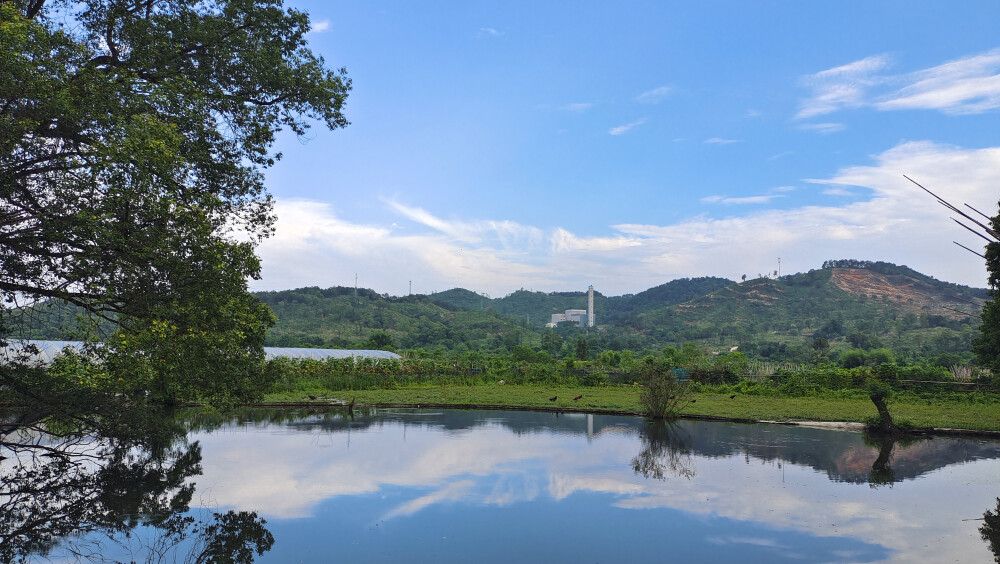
[(661, 396)]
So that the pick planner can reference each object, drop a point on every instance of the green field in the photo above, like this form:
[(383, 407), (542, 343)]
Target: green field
[(952, 413)]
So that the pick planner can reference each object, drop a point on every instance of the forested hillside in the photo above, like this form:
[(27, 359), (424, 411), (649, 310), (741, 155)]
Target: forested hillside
[(847, 307)]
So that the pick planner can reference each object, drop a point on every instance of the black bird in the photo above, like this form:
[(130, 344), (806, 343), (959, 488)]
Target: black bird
[(553, 398), (672, 397), (694, 400), (732, 396), (312, 397), (578, 397)]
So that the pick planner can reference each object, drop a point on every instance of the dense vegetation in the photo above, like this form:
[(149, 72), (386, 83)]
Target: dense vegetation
[(134, 136), (844, 313), (133, 139), (850, 313)]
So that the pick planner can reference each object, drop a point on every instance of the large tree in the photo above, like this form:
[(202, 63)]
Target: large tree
[(133, 139), (987, 343)]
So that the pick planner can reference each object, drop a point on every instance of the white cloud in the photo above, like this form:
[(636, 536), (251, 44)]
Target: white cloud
[(624, 128), (970, 85), (841, 87), (838, 192), (654, 96), (823, 128), (965, 86), (576, 107), (320, 26), (720, 141), (752, 113), (488, 31), (779, 155), (886, 219), (743, 200), (565, 242), (454, 491)]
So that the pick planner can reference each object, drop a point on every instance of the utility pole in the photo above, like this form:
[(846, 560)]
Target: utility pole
[(411, 287), (779, 267)]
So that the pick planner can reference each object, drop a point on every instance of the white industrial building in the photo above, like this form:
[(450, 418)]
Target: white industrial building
[(582, 317)]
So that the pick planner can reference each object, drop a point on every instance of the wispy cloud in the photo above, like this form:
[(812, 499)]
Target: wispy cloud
[(625, 128), (838, 192), (576, 107), (823, 128), (320, 26), (965, 86), (842, 87), (488, 32), (779, 155), (720, 141), (564, 242), (969, 85), (450, 492), (885, 219), (742, 200), (654, 96), (752, 113)]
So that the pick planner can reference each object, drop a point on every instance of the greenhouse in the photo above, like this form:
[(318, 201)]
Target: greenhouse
[(44, 352)]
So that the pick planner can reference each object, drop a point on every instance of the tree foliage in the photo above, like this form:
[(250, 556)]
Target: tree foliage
[(133, 136), (987, 344)]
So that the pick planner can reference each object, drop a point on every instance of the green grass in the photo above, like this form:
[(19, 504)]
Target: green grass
[(951, 413)]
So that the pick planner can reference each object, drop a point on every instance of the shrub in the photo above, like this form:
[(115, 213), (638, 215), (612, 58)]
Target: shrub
[(661, 396)]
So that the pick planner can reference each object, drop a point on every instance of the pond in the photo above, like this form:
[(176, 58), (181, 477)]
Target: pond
[(496, 486)]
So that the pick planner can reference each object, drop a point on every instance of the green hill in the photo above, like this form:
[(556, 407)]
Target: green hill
[(537, 307), (847, 304), (866, 305), (344, 317)]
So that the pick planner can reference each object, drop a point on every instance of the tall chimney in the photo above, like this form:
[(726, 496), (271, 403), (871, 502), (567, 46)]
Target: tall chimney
[(590, 306)]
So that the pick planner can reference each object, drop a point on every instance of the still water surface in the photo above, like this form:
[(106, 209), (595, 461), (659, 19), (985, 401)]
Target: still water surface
[(492, 486)]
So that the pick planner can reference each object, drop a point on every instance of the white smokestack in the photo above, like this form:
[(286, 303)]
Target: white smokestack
[(590, 306)]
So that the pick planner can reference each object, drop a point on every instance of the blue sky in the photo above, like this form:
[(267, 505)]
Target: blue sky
[(553, 145)]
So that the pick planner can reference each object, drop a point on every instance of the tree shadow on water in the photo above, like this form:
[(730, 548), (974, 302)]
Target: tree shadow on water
[(990, 531), (882, 473), (80, 495), (666, 451)]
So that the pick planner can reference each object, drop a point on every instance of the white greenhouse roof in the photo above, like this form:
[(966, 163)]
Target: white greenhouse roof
[(322, 354), (46, 351)]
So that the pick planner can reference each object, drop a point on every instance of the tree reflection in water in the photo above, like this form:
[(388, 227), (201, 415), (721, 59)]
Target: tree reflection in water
[(990, 531), (666, 450), (93, 495), (882, 473)]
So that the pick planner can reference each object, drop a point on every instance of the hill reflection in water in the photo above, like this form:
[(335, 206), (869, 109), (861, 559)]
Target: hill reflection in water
[(601, 488)]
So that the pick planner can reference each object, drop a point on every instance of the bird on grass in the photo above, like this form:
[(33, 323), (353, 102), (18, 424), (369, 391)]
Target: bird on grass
[(553, 398), (732, 396), (312, 397), (694, 400), (578, 397)]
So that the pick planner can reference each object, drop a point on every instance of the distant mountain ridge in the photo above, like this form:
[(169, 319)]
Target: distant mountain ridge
[(848, 303)]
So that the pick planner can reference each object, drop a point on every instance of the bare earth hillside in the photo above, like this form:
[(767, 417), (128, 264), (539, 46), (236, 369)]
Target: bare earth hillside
[(908, 293)]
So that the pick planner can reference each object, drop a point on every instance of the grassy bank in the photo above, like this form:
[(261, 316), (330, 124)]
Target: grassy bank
[(954, 412)]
